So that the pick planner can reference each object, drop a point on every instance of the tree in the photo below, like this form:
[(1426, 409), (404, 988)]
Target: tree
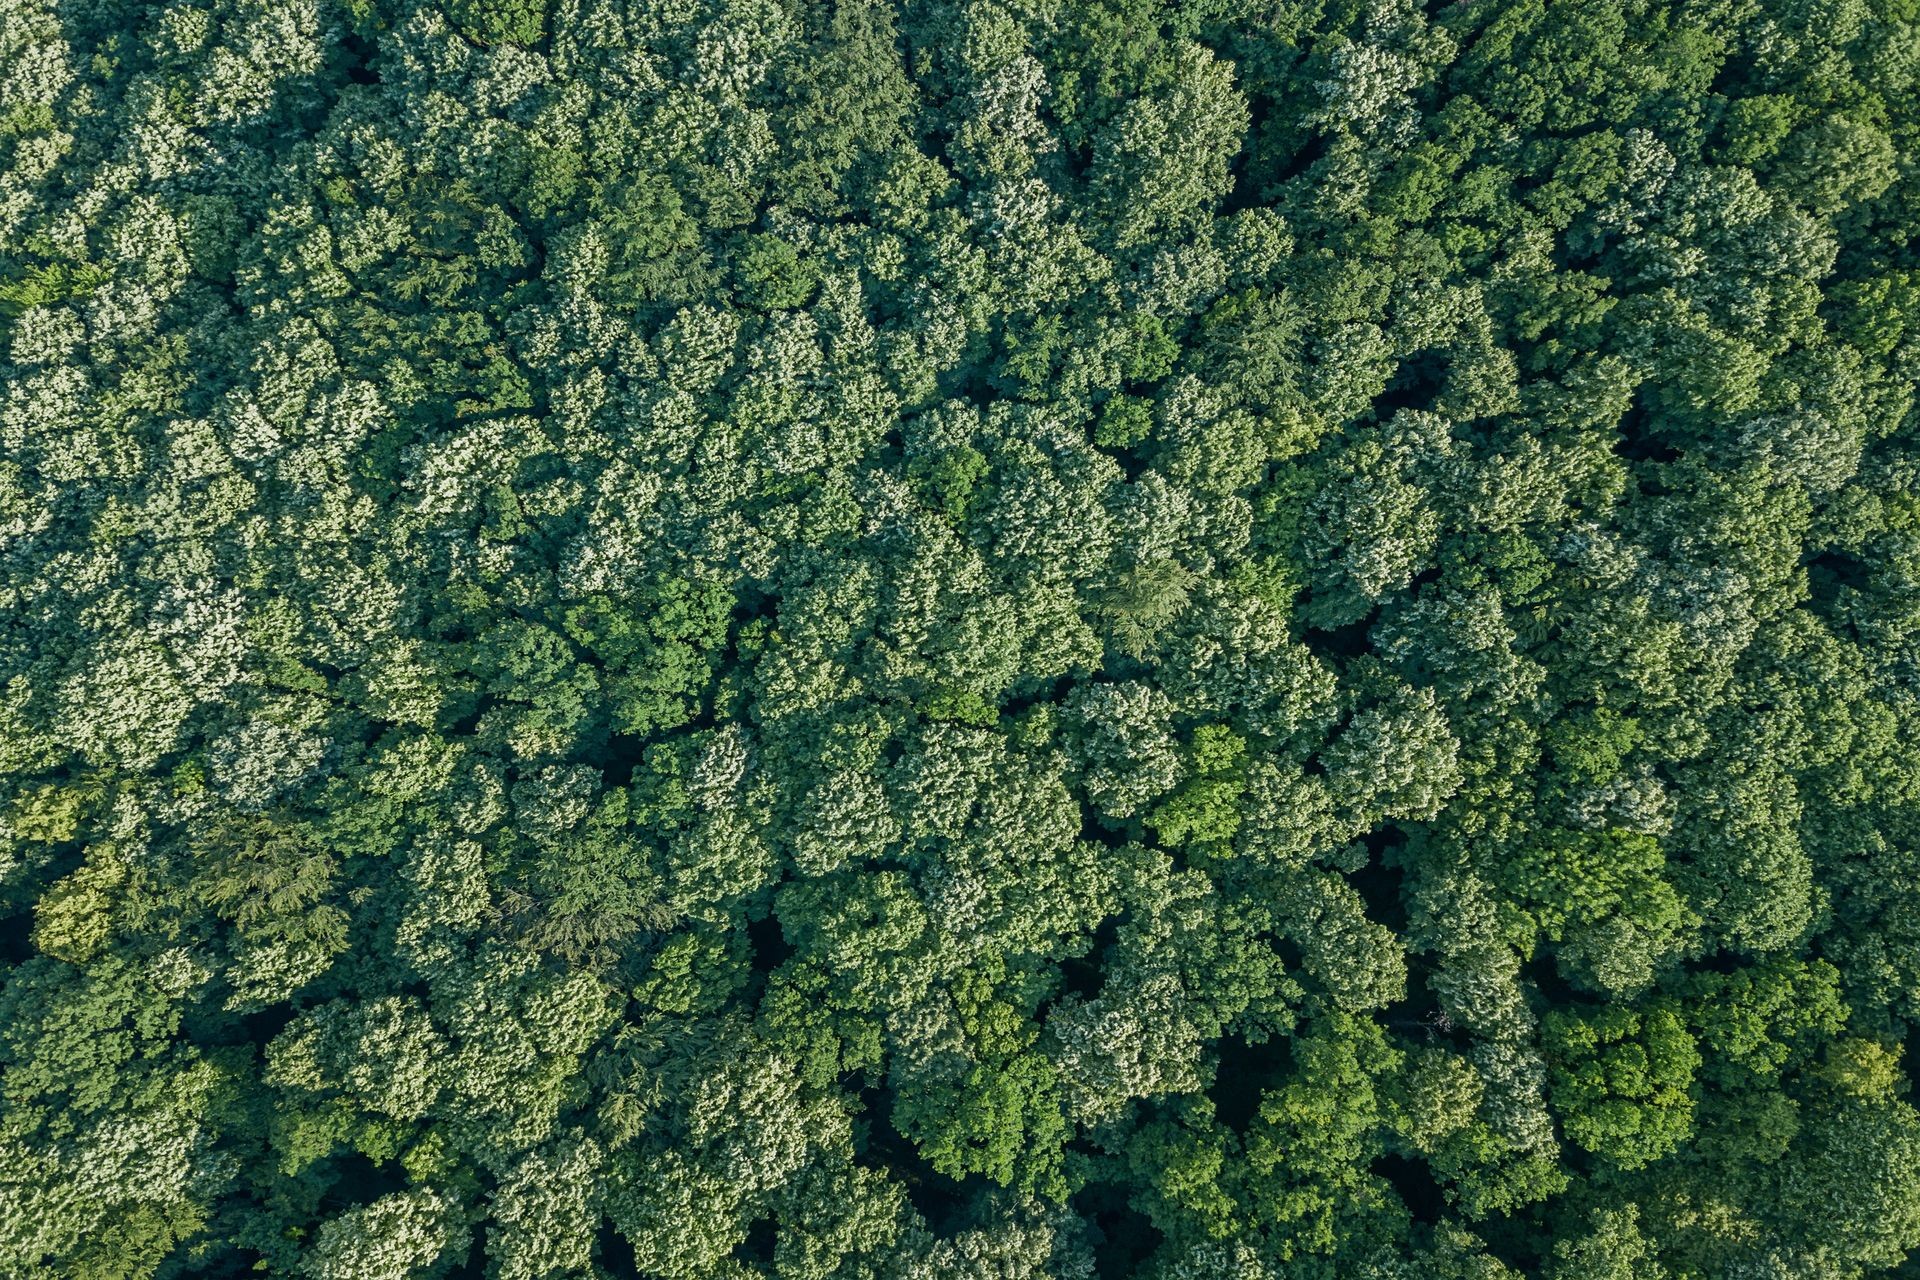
[(958, 639), (1621, 1079)]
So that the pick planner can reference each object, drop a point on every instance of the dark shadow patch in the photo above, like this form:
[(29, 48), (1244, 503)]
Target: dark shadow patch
[(1082, 975), (614, 1253), (1414, 1183), (939, 1199), (466, 725), (230, 1262), (1910, 1059), (1517, 1240), (359, 53), (355, 1180), (768, 943), (16, 940), (1384, 839), (1243, 1075), (1416, 383), (1550, 988), (1136, 461), (1349, 641), (1832, 573), (969, 380), (540, 469), (474, 1265), (1244, 189), (1024, 695), (621, 758), (1242, 193), (1295, 165), (262, 1026), (1419, 1016), (757, 1249), (1383, 889), (1718, 962), (751, 603), (1098, 830), (1640, 439), (1123, 1237), (30, 883)]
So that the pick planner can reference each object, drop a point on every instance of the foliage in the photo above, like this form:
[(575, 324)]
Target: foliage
[(1082, 638)]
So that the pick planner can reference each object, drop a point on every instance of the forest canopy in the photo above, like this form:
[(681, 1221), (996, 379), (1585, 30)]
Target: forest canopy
[(959, 639)]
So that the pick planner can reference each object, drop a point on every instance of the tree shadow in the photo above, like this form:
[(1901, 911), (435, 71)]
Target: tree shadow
[(1123, 1237), (1242, 1076), (1415, 1184)]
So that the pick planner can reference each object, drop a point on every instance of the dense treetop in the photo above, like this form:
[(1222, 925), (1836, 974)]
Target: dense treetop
[(983, 639)]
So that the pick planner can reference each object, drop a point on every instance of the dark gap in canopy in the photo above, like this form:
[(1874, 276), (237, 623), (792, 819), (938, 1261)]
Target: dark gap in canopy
[(614, 1253), (768, 943), (756, 1250), (474, 1265), (1383, 889), (1419, 1016), (1415, 1185), (359, 57), (355, 1180), (1640, 439), (1416, 383), (1242, 1076), (939, 1199), (1123, 1237), (1348, 641), (1083, 974)]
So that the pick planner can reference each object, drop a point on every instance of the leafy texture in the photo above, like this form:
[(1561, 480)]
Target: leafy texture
[(959, 638)]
